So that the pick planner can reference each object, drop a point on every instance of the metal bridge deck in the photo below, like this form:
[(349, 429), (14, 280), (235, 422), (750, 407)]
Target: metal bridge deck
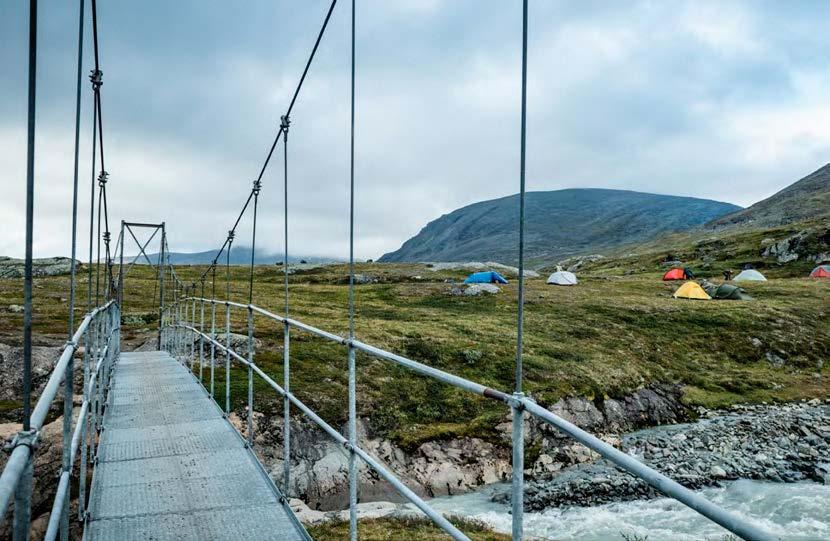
[(171, 467)]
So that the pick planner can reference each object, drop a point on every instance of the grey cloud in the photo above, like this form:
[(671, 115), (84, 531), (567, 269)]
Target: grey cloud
[(693, 98)]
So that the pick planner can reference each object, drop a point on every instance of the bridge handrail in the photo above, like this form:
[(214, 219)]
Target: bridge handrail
[(517, 402), (105, 349)]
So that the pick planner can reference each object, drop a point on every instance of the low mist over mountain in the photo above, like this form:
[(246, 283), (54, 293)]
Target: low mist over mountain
[(558, 224), (240, 255), (807, 199)]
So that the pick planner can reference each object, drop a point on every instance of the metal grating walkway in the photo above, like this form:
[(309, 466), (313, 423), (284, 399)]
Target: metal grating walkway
[(171, 467)]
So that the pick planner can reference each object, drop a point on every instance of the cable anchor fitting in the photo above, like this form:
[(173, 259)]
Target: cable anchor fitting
[(28, 438), (102, 178), (285, 122), (96, 77), (257, 187), (231, 234)]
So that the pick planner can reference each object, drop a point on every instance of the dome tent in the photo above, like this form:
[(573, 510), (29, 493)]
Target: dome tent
[(724, 291), (677, 273), (487, 277), (822, 271), (691, 290), (563, 278), (750, 275)]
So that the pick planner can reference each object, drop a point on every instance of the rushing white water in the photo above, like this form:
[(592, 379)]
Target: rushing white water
[(794, 512)]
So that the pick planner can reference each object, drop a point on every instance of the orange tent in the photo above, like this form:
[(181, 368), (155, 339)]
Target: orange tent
[(822, 271), (675, 274)]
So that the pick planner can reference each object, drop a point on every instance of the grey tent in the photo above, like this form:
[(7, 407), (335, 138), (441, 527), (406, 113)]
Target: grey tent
[(562, 278), (750, 275)]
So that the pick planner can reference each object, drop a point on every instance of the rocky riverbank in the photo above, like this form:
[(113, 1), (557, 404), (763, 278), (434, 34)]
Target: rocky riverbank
[(782, 443)]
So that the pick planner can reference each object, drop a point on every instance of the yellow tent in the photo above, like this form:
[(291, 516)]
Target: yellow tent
[(691, 290)]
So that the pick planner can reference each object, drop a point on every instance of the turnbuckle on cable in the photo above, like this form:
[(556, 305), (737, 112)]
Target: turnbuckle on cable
[(96, 77)]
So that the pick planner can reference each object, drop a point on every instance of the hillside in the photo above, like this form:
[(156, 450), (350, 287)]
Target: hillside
[(786, 235), (558, 224), (240, 255), (807, 199)]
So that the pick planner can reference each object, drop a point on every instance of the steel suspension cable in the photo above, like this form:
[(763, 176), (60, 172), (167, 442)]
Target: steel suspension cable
[(30, 195), (284, 129), (517, 499), (522, 161), (92, 204), (353, 478), (257, 187), (75, 171), (280, 131)]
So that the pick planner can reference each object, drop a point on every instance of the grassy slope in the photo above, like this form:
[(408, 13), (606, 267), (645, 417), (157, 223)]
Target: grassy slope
[(607, 337)]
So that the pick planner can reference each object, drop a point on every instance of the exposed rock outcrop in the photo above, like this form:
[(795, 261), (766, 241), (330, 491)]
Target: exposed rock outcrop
[(49, 266)]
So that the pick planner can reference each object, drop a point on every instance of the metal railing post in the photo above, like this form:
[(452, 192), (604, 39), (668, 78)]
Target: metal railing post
[(227, 359), (22, 503), (66, 440), (250, 376), (286, 405), (517, 497), (352, 444), (95, 390), (192, 339), (84, 433), (202, 341), (212, 346)]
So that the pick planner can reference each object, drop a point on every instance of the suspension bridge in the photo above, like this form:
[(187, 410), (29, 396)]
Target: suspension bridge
[(165, 461)]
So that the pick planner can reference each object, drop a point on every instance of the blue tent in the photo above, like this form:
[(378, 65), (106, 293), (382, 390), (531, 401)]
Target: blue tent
[(488, 277)]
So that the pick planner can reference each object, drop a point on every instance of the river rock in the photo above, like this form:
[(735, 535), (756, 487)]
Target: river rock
[(776, 443)]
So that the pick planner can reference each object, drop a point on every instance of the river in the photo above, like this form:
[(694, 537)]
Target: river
[(794, 512)]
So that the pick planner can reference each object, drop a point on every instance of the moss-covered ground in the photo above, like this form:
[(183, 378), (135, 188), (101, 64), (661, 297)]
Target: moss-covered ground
[(617, 331)]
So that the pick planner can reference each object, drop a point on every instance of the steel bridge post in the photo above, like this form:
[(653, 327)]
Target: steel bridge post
[(250, 376), (286, 405)]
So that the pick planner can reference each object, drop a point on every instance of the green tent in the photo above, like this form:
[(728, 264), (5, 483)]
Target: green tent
[(725, 291)]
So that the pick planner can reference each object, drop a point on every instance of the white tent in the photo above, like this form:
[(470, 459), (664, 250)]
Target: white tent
[(750, 275), (562, 278)]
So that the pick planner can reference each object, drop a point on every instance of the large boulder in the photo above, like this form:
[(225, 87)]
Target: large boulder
[(476, 290)]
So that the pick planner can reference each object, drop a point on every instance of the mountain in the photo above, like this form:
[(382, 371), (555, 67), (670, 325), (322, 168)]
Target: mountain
[(240, 255), (807, 199), (559, 223)]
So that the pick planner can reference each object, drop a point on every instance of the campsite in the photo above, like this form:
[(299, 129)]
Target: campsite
[(576, 337)]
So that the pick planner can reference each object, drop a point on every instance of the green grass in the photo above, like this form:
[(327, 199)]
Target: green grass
[(607, 337), (411, 529)]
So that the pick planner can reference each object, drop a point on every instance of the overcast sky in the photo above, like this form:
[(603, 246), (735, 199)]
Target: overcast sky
[(726, 100)]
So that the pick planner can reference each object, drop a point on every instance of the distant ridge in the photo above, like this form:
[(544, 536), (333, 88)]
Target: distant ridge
[(240, 255), (806, 199), (559, 224)]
